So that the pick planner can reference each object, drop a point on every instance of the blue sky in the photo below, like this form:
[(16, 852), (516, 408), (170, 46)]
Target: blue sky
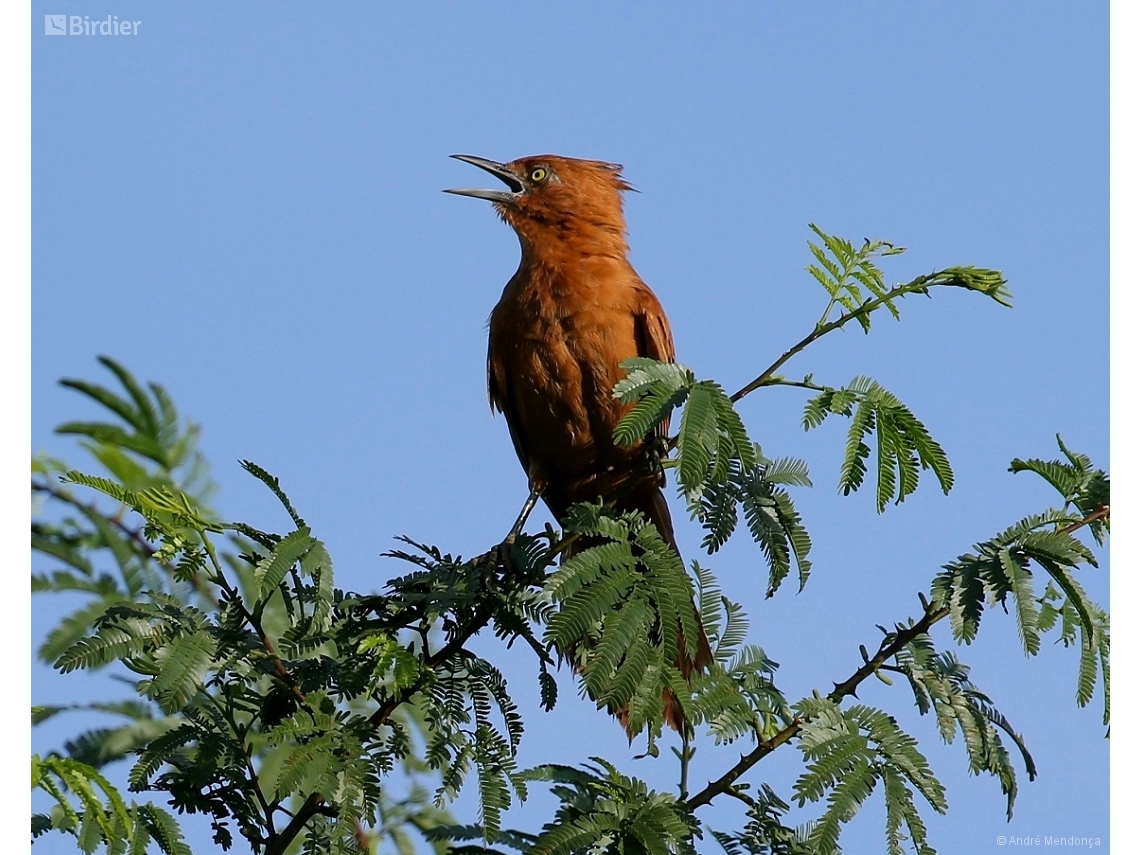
[(242, 202)]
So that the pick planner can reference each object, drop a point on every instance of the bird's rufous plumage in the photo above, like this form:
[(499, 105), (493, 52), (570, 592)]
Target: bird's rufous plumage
[(573, 311)]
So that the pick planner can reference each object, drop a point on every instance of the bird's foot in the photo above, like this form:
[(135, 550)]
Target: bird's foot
[(499, 556), (656, 452), (503, 552), (494, 564)]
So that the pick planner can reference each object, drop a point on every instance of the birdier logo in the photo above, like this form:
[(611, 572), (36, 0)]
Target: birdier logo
[(83, 25)]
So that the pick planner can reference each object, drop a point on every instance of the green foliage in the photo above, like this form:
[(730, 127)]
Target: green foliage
[(902, 443), (855, 283), (848, 752), (224, 676), (764, 833), (102, 745), (737, 696), (1057, 610), (601, 811), (152, 430), (1081, 486), (469, 691), (282, 707), (624, 616), (448, 835), (849, 275), (219, 712), (655, 389), (80, 535), (400, 819), (96, 820), (604, 811), (464, 697), (941, 683), (711, 435), (718, 468), (1001, 570)]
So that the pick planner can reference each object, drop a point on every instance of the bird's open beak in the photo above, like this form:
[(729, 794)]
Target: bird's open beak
[(500, 171)]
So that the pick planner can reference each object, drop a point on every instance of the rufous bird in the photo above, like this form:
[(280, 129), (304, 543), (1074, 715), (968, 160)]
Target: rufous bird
[(575, 309)]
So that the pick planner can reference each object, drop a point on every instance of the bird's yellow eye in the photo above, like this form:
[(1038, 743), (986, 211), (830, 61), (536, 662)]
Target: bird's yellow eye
[(538, 174)]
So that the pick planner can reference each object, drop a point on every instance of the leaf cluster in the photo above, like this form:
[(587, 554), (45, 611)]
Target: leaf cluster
[(737, 695), (902, 443), (604, 811), (624, 616), (855, 283), (719, 469), (850, 276), (1002, 571), (941, 683), (87, 807), (152, 451), (764, 832), (848, 753), (229, 650), (1083, 487)]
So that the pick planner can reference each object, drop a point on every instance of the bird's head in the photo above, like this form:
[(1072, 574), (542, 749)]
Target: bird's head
[(551, 199)]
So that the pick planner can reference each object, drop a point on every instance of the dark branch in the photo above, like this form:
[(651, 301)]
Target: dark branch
[(278, 843), (479, 620), (891, 645), (1100, 513)]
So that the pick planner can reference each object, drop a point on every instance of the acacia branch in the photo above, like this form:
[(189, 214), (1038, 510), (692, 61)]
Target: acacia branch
[(133, 534), (890, 646), (266, 808), (1099, 514), (314, 804), (278, 843), (479, 620), (919, 285), (279, 668)]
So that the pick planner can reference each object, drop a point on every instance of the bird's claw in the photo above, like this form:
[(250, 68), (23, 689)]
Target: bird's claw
[(656, 451), (501, 553)]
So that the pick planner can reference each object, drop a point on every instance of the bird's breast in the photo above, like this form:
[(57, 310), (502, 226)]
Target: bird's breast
[(559, 345)]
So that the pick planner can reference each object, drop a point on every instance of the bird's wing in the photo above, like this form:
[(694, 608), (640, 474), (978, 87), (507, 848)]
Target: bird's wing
[(500, 392), (654, 338)]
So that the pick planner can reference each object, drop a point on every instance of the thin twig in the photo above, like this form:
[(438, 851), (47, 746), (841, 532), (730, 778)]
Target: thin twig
[(135, 534), (1100, 513), (384, 712), (266, 808), (890, 646), (765, 378)]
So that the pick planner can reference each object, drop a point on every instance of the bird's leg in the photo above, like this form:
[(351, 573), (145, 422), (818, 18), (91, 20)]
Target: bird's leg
[(531, 501), (502, 552)]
